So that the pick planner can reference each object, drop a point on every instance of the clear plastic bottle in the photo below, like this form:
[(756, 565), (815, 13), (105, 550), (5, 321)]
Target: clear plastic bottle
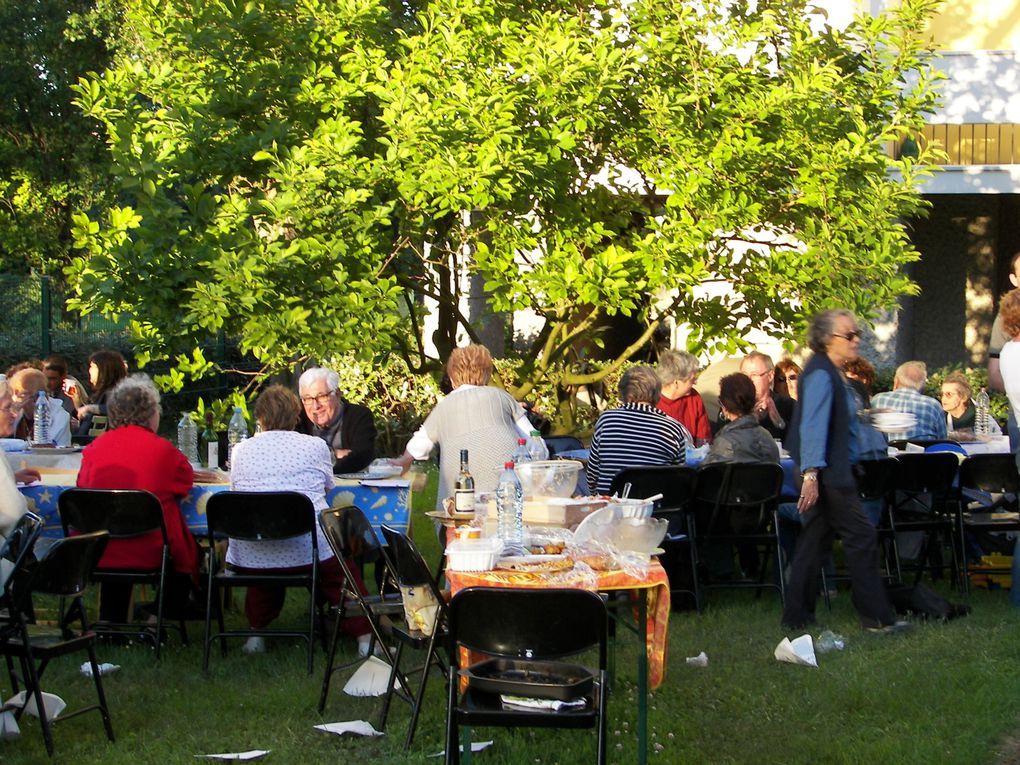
[(237, 431), (510, 511), (537, 448), (830, 641), (521, 453), (41, 424), (187, 438), (983, 414)]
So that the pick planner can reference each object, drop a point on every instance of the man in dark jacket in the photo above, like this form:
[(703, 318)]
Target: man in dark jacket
[(348, 428), (823, 440)]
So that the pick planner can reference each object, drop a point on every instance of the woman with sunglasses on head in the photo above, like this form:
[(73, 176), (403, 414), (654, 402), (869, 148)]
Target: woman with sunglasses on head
[(785, 383)]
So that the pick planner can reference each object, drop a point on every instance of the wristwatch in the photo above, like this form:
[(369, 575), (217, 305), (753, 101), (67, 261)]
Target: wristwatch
[(810, 475)]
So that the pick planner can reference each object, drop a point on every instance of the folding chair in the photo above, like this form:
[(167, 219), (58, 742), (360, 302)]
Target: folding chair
[(127, 515), (924, 499), (259, 517), (676, 485), (64, 571), (528, 632), (996, 477), (352, 539), (412, 573), (735, 504)]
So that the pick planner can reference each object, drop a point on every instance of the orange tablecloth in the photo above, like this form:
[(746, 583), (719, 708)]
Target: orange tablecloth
[(653, 585)]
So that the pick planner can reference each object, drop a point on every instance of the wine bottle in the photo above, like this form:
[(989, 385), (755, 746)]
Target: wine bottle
[(464, 493)]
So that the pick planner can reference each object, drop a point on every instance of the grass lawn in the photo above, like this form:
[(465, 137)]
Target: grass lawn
[(940, 694)]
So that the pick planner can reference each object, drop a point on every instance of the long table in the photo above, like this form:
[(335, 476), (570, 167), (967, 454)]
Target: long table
[(383, 502), (649, 593)]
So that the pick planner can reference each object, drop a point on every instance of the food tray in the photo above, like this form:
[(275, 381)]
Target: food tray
[(473, 554), (533, 679)]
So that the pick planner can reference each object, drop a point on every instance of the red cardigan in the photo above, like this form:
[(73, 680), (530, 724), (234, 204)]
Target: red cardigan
[(690, 412), (133, 457)]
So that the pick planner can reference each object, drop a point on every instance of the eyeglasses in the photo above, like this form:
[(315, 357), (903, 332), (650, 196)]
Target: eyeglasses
[(849, 336), (950, 394), (757, 374), (784, 378), (10, 409), (321, 399)]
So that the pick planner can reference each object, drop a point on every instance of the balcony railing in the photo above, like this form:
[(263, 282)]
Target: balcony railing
[(972, 143)]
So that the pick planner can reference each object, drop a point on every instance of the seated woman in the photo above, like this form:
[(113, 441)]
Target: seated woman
[(742, 439), (787, 374), (106, 369), (129, 455), (635, 433), (678, 372), (960, 410), (12, 501), (281, 459), (475, 416), (25, 384)]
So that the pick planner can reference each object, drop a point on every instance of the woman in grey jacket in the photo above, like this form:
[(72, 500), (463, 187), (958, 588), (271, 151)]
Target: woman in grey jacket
[(742, 439)]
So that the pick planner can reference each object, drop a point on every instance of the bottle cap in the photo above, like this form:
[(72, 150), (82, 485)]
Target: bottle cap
[(508, 465)]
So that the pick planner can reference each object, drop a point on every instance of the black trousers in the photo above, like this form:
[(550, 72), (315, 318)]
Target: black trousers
[(838, 511)]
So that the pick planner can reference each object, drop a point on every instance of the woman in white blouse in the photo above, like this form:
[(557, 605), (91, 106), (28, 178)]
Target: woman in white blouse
[(281, 459)]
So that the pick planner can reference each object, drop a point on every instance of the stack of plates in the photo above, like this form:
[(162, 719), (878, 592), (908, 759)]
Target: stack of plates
[(893, 422)]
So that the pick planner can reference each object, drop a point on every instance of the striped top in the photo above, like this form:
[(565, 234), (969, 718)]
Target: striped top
[(634, 435)]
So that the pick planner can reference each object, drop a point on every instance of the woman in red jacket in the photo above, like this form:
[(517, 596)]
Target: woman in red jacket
[(131, 456)]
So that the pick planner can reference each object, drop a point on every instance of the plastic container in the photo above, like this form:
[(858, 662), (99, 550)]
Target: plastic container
[(983, 415), (830, 641), (473, 554), (41, 425), (522, 453), (634, 508), (187, 438), (510, 510), (537, 448), (237, 431), (550, 478)]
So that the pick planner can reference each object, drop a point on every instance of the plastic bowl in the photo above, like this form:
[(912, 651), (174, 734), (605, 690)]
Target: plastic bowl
[(548, 478), (633, 508), (642, 535)]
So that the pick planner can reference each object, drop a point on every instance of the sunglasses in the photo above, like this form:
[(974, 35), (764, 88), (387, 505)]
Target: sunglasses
[(849, 336), (784, 378)]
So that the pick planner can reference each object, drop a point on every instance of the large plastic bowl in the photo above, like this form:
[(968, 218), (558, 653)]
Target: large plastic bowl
[(548, 478), (641, 535)]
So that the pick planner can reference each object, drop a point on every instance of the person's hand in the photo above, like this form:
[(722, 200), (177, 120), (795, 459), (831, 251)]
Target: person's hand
[(85, 410), (27, 475), (341, 453), (808, 495)]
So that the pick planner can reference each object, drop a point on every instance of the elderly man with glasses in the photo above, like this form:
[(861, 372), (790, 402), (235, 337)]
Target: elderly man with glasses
[(348, 429), (772, 410), (25, 384)]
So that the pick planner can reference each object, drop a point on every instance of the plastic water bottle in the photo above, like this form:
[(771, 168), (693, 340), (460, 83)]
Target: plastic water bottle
[(983, 415), (830, 641), (522, 453), (187, 438), (237, 431), (41, 425), (510, 511), (537, 448)]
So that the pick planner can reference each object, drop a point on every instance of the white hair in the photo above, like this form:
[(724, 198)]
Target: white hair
[(311, 376)]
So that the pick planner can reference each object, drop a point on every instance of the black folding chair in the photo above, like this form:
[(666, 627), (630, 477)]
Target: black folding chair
[(559, 444), (412, 573), (676, 485), (64, 572), (924, 499), (735, 504), (527, 632), (259, 517), (127, 515), (995, 478), (353, 540)]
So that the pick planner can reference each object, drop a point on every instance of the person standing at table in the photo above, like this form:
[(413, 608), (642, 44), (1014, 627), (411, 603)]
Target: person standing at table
[(25, 385), (348, 429), (635, 434), (129, 455), (678, 372), (281, 459), (823, 441), (475, 416)]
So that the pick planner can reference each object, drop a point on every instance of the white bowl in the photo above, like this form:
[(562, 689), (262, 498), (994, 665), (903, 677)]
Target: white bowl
[(641, 535), (633, 508), (548, 478), (473, 554)]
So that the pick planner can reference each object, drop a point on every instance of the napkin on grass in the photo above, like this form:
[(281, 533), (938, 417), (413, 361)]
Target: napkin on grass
[(251, 754), (797, 651), (350, 728)]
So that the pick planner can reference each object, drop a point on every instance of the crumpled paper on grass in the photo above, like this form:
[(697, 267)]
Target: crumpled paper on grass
[(9, 729), (701, 660), (53, 704), (104, 669), (251, 754), (370, 679), (800, 650), (476, 746), (351, 728)]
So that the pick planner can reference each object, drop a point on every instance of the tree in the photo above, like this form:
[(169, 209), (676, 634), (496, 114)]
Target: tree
[(302, 173), (52, 163)]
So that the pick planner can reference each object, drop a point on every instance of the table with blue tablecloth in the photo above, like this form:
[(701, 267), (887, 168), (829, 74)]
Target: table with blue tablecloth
[(383, 502)]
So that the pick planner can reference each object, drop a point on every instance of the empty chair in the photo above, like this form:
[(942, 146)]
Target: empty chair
[(353, 541), (735, 504), (64, 572), (413, 576), (260, 517), (994, 479), (129, 516), (924, 499), (528, 632)]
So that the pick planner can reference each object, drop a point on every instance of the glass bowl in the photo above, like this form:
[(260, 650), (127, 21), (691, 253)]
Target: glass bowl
[(548, 478)]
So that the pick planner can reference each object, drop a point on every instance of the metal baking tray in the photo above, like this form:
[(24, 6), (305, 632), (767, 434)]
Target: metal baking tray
[(533, 679)]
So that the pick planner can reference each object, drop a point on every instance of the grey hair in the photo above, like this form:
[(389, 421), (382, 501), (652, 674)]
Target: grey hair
[(823, 325), (640, 385), (311, 376), (132, 401), (912, 374), (676, 365), (769, 363)]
